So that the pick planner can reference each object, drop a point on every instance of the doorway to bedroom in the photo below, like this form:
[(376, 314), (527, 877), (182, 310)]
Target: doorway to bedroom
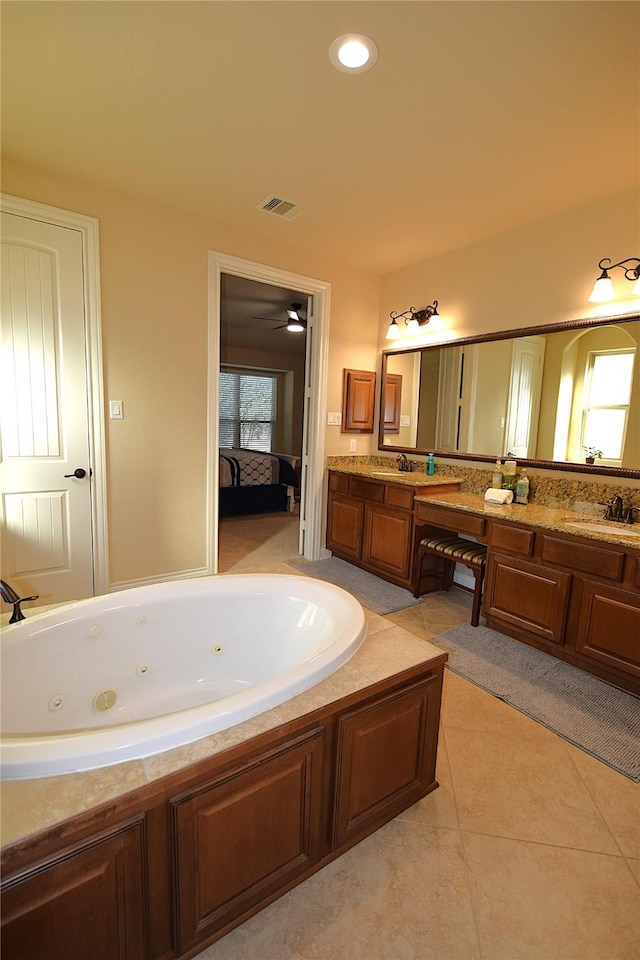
[(263, 352), (267, 363)]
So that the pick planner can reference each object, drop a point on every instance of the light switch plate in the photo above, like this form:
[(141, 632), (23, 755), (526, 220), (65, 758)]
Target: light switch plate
[(116, 410), (334, 419)]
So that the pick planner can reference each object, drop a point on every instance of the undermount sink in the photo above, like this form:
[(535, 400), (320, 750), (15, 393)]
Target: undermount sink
[(387, 473), (622, 531)]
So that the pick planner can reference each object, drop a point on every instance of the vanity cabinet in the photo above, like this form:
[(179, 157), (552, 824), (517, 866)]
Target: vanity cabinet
[(567, 595), (169, 867), (370, 523), (519, 593)]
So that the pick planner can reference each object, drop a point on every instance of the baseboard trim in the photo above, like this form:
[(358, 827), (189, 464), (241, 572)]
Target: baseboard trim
[(163, 578)]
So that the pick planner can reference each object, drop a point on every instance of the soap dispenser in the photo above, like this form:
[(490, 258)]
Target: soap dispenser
[(431, 465), (496, 480)]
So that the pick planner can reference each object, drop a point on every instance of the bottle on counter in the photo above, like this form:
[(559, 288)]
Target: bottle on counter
[(509, 477), (496, 480), (522, 488), (431, 465)]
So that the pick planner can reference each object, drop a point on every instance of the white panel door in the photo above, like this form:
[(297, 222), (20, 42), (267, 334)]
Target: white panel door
[(523, 411), (46, 515)]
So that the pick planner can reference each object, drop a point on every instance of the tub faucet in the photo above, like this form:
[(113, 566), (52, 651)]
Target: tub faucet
[(10, 596)]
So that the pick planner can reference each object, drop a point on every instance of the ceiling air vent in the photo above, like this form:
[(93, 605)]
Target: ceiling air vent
[(281, 208)]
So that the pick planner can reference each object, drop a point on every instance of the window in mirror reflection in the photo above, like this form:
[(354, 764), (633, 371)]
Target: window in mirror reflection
[(606, 403)]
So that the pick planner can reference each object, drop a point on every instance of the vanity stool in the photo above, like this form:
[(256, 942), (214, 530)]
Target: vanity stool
[(451, 550)]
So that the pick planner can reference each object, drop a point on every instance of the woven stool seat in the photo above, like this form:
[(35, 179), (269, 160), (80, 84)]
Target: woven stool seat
[(452, 550), (462, 551)]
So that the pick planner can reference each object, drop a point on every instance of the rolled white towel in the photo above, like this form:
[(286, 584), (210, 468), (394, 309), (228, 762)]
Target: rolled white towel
[(498, 496)]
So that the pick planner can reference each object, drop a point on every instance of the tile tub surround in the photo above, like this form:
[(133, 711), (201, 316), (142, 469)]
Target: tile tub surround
[(30, 806), (537, 857)]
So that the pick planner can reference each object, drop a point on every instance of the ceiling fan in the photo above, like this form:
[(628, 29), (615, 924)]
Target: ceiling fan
[(295, 323)]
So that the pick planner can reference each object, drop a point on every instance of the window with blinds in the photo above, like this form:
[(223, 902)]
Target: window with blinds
[(247, 409)]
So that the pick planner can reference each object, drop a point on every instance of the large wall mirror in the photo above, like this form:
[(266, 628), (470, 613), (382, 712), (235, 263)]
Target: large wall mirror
[(542, 394)]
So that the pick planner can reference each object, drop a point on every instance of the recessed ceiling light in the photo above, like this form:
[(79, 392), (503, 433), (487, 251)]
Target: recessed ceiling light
[(353, 53)]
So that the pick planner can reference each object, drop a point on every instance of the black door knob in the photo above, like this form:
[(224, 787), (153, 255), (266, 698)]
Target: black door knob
[(78, 473)]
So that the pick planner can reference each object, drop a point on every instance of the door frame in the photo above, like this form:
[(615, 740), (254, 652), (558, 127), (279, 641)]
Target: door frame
[(316, 390), (88, 229)]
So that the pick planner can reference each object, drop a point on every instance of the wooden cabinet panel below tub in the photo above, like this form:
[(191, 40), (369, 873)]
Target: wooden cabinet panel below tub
[(385, 758), (163, 870), (246, 835), (86, 901)]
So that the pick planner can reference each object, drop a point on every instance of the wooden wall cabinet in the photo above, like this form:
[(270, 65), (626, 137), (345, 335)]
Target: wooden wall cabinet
[(392, 402), (179, 863), (358, 401)]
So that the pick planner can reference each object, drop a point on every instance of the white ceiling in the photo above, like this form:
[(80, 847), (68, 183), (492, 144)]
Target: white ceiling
[(478, 117)]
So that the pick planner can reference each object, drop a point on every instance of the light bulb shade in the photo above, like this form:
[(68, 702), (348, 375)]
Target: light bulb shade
[(602, 289), (394, 331), (636, 288), (294, 326), (412, 325)]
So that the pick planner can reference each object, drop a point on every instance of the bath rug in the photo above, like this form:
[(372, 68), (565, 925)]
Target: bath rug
[(600, 719), (372, 592)]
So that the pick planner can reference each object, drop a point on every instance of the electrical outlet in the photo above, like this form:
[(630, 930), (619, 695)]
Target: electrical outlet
[(353, 446)]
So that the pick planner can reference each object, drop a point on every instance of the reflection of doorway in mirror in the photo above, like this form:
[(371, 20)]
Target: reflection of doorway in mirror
[(524, 397)]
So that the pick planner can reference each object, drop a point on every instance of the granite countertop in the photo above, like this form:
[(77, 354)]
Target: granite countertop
[(29, 806), (551, 518), (414, 479)]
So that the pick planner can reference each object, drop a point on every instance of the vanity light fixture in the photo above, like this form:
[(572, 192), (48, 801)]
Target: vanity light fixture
[(413, 319), (603, 287), (353, 53)]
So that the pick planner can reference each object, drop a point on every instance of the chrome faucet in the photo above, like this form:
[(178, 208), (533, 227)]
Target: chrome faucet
[(10, 596)]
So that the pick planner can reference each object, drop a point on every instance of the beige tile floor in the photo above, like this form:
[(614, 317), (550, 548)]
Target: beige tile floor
[(530, 848)]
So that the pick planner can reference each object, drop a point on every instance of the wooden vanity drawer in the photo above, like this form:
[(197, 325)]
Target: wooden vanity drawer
[(366, 489), (339, 482), (579, 556), (456, 520), (397, 496), (506, 536)]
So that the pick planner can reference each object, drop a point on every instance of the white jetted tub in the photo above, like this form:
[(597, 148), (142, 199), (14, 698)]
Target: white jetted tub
[(129, 674)]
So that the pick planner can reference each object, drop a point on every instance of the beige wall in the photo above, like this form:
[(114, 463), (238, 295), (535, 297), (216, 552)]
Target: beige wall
[(540, 273), (154, 312), (153, 264)]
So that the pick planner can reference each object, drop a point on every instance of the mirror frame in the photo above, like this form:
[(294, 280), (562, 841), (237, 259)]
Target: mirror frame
[(572, 466)]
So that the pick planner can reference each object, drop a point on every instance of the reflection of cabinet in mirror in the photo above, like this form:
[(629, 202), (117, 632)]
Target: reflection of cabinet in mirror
[(358, 401), (533, 393), (392, 402)]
